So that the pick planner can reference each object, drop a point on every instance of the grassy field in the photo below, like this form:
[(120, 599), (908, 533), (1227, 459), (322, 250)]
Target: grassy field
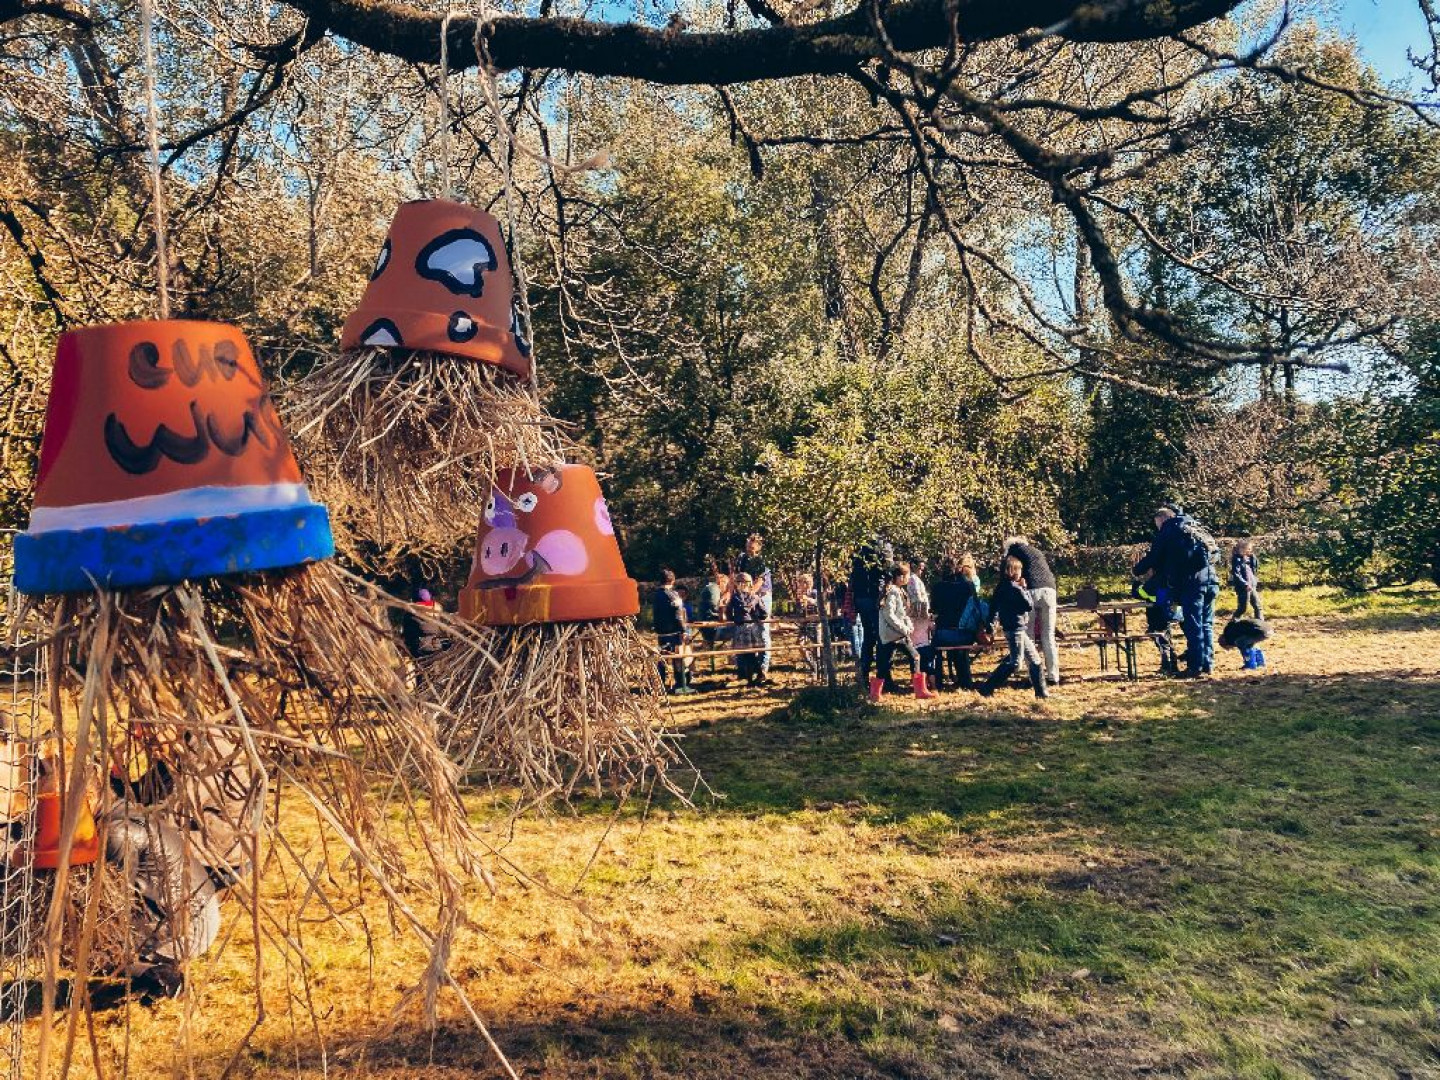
[(1239, 877)]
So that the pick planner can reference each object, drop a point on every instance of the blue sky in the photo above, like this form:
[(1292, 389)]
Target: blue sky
[(1384, 29)]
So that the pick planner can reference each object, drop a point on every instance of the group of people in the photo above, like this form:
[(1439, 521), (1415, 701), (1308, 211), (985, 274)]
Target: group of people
[(940, 629), (885, 610), (734, 610)]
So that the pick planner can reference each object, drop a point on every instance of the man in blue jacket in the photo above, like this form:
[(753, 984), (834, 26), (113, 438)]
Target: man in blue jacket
[(1181, 556)]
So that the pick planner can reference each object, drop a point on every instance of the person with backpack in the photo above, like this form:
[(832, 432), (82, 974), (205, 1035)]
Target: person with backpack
[(959, 615), (1182, 560), (897, 632)]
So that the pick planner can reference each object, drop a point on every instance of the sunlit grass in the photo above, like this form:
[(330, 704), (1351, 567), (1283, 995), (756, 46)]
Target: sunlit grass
[(1235, 878)]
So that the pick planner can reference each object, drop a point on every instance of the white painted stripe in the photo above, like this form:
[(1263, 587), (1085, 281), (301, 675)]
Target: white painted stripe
[(202, 502)]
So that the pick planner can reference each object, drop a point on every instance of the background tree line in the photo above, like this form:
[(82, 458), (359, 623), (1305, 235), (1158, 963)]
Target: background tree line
[(1035, 287)]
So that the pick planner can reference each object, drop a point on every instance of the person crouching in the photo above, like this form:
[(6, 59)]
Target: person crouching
[(1011, 606)]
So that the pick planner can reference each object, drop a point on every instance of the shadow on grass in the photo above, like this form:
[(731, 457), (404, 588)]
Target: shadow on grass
[(706, 1038), (1249, 882)]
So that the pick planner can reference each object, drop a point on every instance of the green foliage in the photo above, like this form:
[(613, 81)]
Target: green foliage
[(929, 458), (1384, 470)]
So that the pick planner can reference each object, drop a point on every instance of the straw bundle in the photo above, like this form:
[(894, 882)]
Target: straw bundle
[(402, 445), (555, 708), (191, 708)]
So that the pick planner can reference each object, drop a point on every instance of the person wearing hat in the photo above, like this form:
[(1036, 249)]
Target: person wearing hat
[(1181, 560)]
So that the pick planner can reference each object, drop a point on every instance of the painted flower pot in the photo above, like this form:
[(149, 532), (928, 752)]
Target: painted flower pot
[(442, 284), (547, 553), (162, 460)]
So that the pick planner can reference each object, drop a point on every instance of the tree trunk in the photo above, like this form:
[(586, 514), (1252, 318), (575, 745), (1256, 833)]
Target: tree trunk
[(821, 596)]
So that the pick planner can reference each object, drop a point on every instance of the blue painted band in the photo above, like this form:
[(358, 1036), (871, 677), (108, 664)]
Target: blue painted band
[(162, 553)]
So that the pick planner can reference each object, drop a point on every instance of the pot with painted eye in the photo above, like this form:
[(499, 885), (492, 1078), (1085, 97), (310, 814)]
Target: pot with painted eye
[(546, 552), (442, 284), (162, 460)]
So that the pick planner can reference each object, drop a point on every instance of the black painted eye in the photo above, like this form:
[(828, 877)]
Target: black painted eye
[(504, 550), (382, 261), (462, 327), (458, 260), (381, 332)]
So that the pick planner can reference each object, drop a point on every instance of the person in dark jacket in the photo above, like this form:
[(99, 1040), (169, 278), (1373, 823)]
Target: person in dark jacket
[(668, 612), (1245, 576), (952, 594), (867, 577), (1179, 557), (1011, 607), (1040, 580), (746, 612)]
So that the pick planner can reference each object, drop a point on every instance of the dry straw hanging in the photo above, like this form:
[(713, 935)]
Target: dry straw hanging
[(430, 393), (563, 694), (210, 669)]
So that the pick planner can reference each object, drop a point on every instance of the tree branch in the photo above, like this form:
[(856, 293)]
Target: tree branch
[(831, 46)]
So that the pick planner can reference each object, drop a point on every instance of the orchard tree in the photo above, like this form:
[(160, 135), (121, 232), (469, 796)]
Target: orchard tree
[(1383, 525)]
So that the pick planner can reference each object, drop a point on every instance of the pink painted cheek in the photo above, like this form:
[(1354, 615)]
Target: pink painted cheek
[(502, 550), (602, 518)]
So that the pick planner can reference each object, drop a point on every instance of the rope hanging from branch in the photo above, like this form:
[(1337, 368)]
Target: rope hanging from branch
[(152, 135)]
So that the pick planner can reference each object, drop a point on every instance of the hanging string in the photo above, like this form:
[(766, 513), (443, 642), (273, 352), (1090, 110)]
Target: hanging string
[(509, 145), (152, 132), (505, 138), (447, 191)]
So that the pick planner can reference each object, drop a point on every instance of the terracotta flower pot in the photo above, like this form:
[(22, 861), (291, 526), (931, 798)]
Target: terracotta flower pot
[(547, 553), (162, 459), (442, 284)]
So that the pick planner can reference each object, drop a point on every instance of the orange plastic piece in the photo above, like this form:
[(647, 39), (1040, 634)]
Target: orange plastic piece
[(547, 553), (154, 408), (442, 284), (49, 814)]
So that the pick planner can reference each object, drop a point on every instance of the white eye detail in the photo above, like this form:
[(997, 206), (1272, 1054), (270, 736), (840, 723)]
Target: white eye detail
[(525, 503), (490, 510)]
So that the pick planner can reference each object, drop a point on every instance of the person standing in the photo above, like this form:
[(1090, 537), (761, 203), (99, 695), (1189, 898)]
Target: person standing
[(866, 580), (919, 597), (712, 608), (763, 583), (1182, 557), (668, 613), (419, 638), (747, 616), (897, 631), (1011, 607), (1245, 576), (1044, 598)]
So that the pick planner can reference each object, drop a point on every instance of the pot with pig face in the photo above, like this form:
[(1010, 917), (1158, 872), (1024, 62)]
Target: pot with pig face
[(547, 553)]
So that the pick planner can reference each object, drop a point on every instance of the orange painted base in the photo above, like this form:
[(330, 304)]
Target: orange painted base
[(525, 604)]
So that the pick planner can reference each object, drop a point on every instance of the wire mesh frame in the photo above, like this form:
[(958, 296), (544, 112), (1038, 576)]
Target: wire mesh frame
[(21, 703)]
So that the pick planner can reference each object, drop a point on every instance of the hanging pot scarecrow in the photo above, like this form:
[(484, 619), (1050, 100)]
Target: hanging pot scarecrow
[(568, 692), (430, 394), (204, 654)]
